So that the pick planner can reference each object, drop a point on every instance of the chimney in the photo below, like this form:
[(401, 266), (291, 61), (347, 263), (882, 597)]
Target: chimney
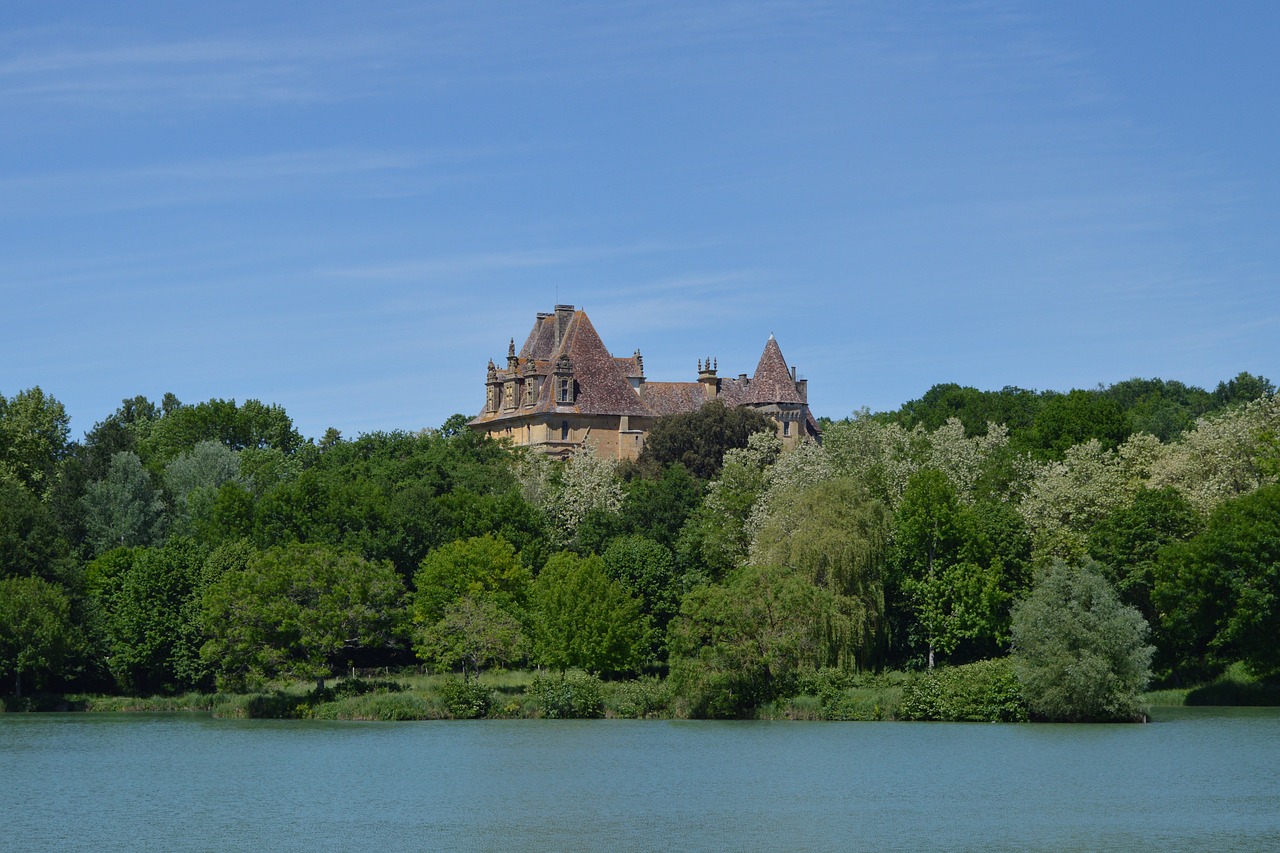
[(564, 313)]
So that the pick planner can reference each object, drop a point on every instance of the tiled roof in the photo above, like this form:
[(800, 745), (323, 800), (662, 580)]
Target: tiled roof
[(772, 382), (673, 398), (602, 381), (603, 389)]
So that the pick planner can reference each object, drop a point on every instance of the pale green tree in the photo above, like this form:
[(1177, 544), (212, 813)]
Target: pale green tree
[(1078, 652), (33, 437), (1068, 497), (836, 536), (474, 633), (1226, 455), (124, 509)]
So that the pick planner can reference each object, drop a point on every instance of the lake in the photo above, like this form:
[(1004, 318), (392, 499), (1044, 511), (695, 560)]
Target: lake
[(1196, 779)]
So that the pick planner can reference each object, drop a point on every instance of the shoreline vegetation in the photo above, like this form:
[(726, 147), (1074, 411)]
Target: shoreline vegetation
[(976, 555), (944, 696)]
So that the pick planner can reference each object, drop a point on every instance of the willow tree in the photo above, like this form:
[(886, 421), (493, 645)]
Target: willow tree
[(835, 537)]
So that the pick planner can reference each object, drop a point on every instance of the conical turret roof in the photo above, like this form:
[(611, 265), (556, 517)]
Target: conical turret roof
[(772, 382)]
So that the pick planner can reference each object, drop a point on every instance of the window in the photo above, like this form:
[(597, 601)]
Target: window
[(565, 385), (564, 430), (786, 428)]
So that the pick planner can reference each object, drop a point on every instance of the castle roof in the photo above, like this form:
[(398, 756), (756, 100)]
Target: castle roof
[(603, 383), (772, 382)]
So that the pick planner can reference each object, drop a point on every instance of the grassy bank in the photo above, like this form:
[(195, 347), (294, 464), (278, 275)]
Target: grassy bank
[(975, 692)]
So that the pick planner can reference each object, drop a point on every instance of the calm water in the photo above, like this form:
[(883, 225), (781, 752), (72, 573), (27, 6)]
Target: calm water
[(1196, 780)]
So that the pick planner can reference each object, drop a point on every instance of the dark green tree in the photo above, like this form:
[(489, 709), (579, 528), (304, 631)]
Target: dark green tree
[(38, 637), (150, 599), (1218, 594), (698, 440), (299, 611)]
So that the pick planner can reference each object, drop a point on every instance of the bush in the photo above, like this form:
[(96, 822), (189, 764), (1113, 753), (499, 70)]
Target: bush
[(982, 692), (639, 699), (1078, 652), (465, 700), (574, 696), (387, 707)]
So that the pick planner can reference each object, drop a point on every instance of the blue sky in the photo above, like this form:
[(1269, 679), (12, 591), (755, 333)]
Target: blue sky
[(349, 209)]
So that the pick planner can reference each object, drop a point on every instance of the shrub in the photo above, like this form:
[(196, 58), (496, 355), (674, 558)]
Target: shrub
[(639, 699), (573, 696), (1078, 652), (465, 700), (986, 691), (387, 707)]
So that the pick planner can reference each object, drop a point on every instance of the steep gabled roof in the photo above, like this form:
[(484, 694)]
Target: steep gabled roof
[(603, 388), (772, 382)]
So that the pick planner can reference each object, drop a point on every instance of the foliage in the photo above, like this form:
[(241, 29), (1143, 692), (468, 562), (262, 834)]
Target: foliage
[(641, 698), (588, 484), (124, 509), (1069, 496), (981, 692), (699, 440), (465, 699), (473, 632), (582, 618), (38, 638), (480, 567), (297, 610), (33, 437), (836, 538), (1078, 652), (569, 696), (743, 643), (149, 599), (250, 425), (1218, 594), (648, 571), (1127, 542), (946, 577), (31, 544)]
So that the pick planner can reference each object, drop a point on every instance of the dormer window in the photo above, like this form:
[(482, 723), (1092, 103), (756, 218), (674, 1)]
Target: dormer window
[(565, 394)]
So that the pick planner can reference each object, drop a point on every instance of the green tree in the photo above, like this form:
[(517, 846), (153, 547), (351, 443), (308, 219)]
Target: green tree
[(473, 632), (30, 542), (1127, 542), (299, 611), (836, 537), (1218, 594), (150, 604), (124, 509), (583, 618), (480, 567), (1244, 388), (33, 437), (1079, 653), (38, 637), (698, 440), (950, 582), (742, 643), (1065, 420)]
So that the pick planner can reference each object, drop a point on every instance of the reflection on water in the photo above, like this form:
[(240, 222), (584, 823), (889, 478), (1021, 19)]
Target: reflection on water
[(1196, 779)]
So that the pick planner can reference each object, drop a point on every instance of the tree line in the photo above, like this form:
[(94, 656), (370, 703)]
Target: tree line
[(193, 546)]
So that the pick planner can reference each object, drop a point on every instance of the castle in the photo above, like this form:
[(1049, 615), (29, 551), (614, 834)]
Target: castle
[(564, 388)]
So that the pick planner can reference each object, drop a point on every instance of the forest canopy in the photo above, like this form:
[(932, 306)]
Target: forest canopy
[(182, 546)]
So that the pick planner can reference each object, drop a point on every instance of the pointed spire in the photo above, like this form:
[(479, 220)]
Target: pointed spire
[(772, 382)]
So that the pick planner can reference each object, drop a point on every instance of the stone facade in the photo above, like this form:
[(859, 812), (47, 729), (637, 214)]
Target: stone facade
[(563, 388)]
